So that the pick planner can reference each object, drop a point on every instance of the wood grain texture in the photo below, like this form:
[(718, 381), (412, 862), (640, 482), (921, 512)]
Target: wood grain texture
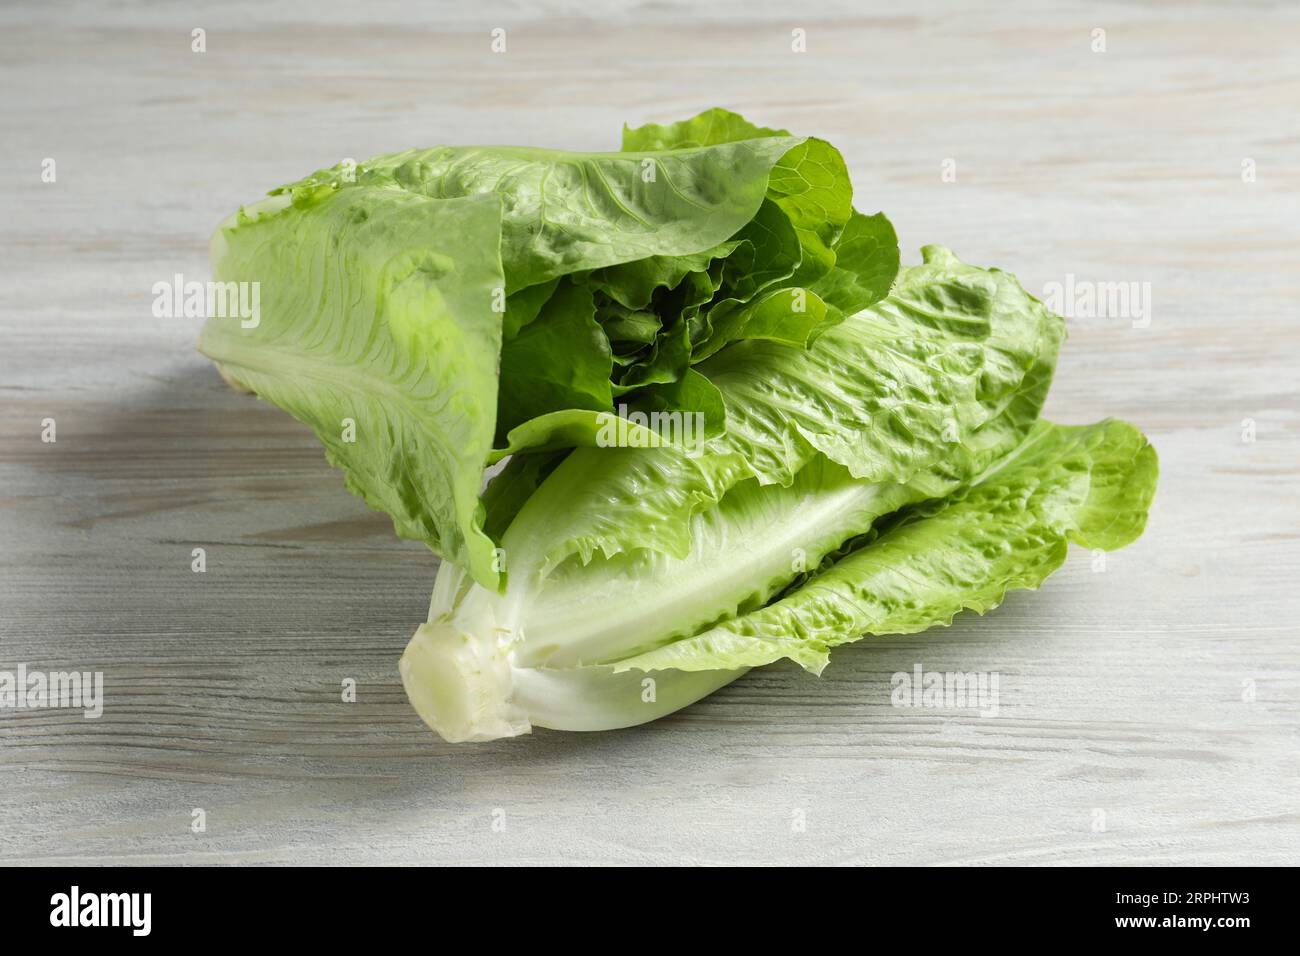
[(1120, 691)]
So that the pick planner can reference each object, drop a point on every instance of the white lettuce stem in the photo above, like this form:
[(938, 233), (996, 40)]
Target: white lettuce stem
[(460, 677)]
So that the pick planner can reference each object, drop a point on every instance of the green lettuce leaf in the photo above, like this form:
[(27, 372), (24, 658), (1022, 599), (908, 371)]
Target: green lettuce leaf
[(376, 330), (846, 260), (866, 264), (923, 390), (560, 360), (594, 284), (709, 128), (1010, 529), (810, 183), (726, 530), (565, 212)]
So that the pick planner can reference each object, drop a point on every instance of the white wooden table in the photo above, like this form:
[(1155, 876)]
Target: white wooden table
[(1161, 697)]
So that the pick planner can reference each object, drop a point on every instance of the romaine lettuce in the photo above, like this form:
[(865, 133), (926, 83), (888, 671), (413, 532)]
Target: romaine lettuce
[(870, 460)]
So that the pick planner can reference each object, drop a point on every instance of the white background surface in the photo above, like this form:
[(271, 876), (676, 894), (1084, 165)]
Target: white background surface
[(1121, 692)]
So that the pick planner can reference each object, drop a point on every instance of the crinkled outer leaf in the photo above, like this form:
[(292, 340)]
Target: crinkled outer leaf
[(923, 390), (606, 500), (741, 553), (557, 214), (573, 212), (1009, 529), (376, 307), (919, 383), (679, 231)]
